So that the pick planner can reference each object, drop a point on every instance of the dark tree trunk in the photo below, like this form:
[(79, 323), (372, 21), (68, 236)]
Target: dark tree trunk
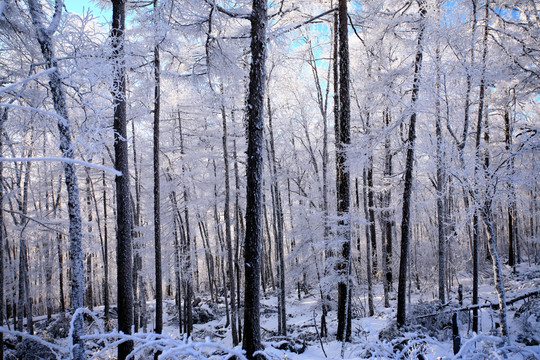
[(343, 180), (186, 249), (278, 221), (157, 202), (387, 216), (254, 172), (407, 191), (106, 296), (123, 214), (368, 230), (441, 188), (3, 118), (512, 202), (228, 237)]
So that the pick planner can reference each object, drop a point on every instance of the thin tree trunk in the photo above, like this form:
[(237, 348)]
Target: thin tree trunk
[(228, 237), (157, 202), (124, 244), (441, 188), (89, 277), (106, 295), (188, 271), (368, 230), (254, 172), (407, 191), (238, 227), (512, 203), (3, 119), (343, 181), (387, 215), (278, 220)]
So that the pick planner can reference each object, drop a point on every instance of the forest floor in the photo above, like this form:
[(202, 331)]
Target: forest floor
[(373, 337)]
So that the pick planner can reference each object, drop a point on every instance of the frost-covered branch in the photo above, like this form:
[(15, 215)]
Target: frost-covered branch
[(56, 349), (50, 113), (34, 220), (23, 81), (65, 160), (56, 17)]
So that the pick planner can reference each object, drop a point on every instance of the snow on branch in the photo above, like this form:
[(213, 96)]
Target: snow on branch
[(35, 220), (25, 80), (56, 349), (66, 160), (50, 113), (55, 22)]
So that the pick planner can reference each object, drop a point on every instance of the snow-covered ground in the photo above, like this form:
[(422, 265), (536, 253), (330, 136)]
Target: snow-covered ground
[(372, 337)]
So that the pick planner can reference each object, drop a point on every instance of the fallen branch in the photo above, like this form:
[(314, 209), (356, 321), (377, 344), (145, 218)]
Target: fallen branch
[(481, 306)]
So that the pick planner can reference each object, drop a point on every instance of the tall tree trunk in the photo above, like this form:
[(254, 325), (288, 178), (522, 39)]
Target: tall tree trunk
[(124, 241), (3, 119), (387, 215), (512, 202), (278, 220), (228, 237), (441, 188), (407, 191), (157, 202), (343, 180), (188, 271), (368, 231), (476, 222), (106, 296), (238, 227), (89, 277), (254, 172), (75, 221)]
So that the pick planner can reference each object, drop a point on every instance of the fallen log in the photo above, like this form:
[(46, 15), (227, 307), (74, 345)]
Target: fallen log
[(481, 306)]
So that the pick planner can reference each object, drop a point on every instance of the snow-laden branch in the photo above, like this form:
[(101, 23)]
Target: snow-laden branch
[(35, 220), (56, 349), (55, 22), (66, 160), (25, 80), (41, 111)]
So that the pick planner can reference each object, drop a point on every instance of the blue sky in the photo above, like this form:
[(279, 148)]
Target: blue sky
[(80, 6)]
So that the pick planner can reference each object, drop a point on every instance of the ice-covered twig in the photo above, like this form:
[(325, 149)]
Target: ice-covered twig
[(62, 159)]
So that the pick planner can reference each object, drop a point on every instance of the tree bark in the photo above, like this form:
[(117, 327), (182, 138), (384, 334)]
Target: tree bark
[(278, 221), (408, 180), (106, 295), (124, 241), (157, 202), (441, 188), (75, 220), (228, 238), (343, 180), (387, 215), (3, 119), (254, 172)]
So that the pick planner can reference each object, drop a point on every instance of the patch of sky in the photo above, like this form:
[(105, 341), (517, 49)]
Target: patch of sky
[(100, 9)]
